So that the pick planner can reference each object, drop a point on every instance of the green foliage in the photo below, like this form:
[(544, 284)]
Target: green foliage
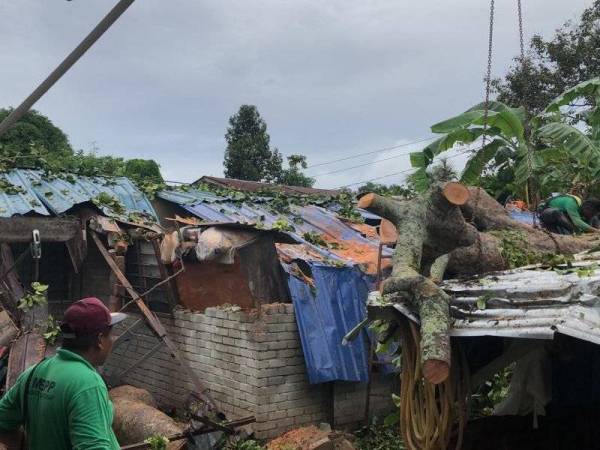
[(505, 132), (514, 248), (52, 330), (379, 436), (8, 188), (37, 296), (347, 208), (292, 176), (104, 200), (482, 301), (492, 392), (312, 237), (392, 190), (248, 155), (569, 57), (33, 130), (282, 225), (157, 442), (34, 142)]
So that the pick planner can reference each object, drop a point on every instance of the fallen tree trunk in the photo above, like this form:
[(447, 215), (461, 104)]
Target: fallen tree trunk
[(497, 231), (137, 418)]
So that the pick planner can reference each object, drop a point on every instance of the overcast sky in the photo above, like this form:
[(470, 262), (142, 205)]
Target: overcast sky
[(331, 78)]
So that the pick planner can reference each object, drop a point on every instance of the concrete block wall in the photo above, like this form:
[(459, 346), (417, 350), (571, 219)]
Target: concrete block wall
[(252, 363), (350, 399)]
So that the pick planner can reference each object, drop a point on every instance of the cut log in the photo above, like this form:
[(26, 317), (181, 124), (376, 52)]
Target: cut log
[(490, 217), (135, 420), (429, 227), (456, 193)]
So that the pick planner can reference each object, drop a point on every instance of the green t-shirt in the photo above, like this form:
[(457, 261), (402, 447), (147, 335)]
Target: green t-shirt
[(68, 408), (570, 206)]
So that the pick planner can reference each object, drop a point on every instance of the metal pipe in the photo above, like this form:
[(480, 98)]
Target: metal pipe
[(64, 66)]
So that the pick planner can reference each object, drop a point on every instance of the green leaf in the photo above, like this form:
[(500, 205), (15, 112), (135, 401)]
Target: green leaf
[(585, 89), (419, 180), (391, 419), (396, 399), (477, 163), (482, 302), (461, 121), (569, 137)]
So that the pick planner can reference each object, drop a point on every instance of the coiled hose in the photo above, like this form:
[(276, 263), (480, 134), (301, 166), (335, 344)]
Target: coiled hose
[(427, 411)]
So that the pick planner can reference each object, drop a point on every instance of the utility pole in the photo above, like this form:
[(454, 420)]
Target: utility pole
[(67, 63)]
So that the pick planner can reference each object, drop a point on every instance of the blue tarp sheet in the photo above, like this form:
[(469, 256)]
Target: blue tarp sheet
[(324, 315)]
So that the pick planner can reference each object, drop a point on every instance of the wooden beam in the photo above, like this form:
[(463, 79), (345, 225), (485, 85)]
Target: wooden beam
[(8, 330), (155, 324), (52, 229)]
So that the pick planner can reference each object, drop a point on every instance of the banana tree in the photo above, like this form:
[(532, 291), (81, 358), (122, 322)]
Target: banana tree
[(505, 135), (572, 152)]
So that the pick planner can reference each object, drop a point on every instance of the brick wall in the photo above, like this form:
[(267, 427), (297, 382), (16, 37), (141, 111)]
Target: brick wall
[(252, 363)]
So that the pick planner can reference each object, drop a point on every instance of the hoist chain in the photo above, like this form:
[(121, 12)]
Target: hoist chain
[(488, 76), (521, 31)]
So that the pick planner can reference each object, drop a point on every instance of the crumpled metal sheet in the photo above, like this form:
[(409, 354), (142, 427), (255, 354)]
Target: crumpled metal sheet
[(304, 219), (50, 196), (525, 303)]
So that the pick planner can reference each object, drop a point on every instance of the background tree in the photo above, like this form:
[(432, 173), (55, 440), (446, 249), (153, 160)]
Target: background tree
[(146, 170), (387, 190), (34, 131), (248, 155), (570, 57), (292, 176), (35, 142)]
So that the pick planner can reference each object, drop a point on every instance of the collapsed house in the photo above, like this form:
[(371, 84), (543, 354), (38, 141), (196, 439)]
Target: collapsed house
[(64, 237), (271, 285)]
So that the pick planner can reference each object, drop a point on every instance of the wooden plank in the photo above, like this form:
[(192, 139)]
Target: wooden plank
[(28, 349), (154, 322), (171, 291), (8, 330), (54, 229)]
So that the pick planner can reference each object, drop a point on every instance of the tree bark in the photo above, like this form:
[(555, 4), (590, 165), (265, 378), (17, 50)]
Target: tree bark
[(485, 255)]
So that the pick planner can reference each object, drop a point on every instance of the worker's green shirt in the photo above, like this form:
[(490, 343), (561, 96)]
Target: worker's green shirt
[(68, 408), (569, 205)]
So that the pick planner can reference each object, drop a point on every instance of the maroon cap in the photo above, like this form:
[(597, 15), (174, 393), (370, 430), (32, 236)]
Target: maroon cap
[(88, 316)]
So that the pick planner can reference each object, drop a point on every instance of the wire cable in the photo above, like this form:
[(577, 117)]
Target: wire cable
[(371, 152)]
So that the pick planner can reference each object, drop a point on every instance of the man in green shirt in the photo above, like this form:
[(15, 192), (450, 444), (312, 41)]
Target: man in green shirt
[(63, 402), (567, 214)]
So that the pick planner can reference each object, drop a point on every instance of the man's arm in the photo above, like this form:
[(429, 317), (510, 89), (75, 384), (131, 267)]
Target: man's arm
[(573, 213), (90, 421), (10, 407)]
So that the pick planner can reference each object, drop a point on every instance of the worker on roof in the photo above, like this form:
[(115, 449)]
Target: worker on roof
[(567, 214), (62, 402)]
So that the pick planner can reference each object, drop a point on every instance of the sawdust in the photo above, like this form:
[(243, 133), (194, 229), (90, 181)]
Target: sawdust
[(298, 439), (362, 253), (367, 231)]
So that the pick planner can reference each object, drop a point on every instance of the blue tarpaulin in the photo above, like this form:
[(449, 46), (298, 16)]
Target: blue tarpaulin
[(324, 314)]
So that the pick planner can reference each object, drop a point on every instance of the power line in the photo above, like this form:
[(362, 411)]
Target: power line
[(371, 152), (399, 173), (359, 165), (376, 178)]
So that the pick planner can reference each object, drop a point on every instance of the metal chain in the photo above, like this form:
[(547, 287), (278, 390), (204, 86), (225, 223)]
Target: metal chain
[(488, 76), (521, 31), (488, 80)]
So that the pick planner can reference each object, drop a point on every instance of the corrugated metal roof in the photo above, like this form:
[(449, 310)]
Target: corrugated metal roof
[(355, 248), (526, 303), (55, 195)]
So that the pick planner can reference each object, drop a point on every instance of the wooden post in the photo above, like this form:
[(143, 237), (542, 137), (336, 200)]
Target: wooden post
[(153, 321)]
